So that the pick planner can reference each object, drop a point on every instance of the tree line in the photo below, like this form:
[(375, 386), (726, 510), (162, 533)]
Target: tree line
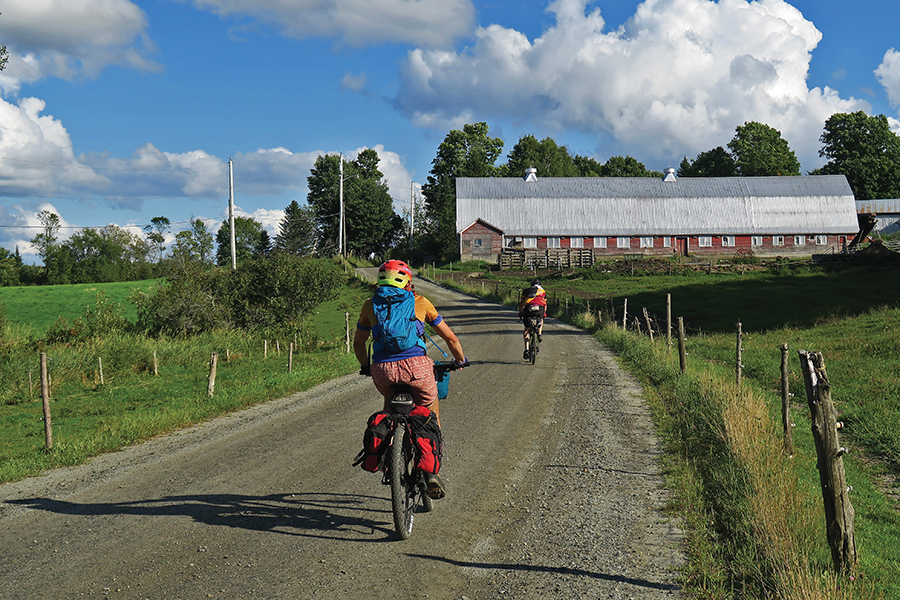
[(859, 146)]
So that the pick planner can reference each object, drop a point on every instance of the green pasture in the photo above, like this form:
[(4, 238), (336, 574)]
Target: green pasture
[(39, 307), (132, 403)]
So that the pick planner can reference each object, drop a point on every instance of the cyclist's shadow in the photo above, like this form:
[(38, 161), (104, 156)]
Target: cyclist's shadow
[(310, 514)]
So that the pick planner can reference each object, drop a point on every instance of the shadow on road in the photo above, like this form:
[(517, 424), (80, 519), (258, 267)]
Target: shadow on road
[(320, 515), (558, 570)]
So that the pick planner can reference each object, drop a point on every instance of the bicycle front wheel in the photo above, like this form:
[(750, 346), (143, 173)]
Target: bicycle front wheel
[(401, 482)]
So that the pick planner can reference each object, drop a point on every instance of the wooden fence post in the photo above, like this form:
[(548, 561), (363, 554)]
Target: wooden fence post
[(155, 365), (290, 357), (625, 315), (100, 368), (211, 384), (682, 355), (835, 493), (737, 356), (786, 402), (647, 320), (347, 328), (265, 348), (668, 322), (45, 399)]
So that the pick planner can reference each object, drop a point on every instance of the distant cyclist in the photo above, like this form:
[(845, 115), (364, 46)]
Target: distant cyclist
[(404, 362), (533, 304)]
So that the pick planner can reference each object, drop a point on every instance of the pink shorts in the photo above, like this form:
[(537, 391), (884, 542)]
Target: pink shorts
[(417, 371)]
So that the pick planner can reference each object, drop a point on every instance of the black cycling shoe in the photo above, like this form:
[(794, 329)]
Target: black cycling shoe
[(434, 487), (525, 355), (540, 338)]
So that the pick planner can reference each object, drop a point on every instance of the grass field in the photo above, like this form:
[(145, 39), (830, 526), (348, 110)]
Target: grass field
[(132, 403), (39, 307)]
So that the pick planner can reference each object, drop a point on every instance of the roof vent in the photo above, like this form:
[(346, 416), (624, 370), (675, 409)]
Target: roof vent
[(670, 175), (530, 174)]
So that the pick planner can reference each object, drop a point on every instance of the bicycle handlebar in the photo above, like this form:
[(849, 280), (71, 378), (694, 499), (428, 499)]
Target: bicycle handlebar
[(444, 367)]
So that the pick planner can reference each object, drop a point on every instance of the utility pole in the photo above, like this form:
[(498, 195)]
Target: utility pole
[(412, 212), (231, 214), (341, 200)]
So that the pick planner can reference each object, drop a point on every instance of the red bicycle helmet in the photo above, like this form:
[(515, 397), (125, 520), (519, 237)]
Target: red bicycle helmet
[(396, 273)]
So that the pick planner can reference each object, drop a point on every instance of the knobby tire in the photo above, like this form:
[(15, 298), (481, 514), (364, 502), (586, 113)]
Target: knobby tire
[(402, 500)]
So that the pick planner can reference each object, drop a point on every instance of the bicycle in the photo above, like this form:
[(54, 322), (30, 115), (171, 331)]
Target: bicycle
[(407, 482), (532, 325)]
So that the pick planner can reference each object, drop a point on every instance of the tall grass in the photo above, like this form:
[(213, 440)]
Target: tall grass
[(131, 403)]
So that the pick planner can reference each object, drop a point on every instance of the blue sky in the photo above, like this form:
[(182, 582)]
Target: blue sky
[(117, 111)]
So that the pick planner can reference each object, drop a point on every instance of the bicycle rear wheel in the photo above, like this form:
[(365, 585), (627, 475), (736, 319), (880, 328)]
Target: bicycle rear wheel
[(402, 486), (533, 346)]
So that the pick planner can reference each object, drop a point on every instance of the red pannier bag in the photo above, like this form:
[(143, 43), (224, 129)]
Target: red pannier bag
[(378, 430), (427, 440)]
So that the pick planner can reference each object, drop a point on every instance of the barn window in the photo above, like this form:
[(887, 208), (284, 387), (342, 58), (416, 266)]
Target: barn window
[(799, 240), (477, 242), (728, 241), (778, 240), (623, 242), (576, 242), (667, 242), (756, 240), (705, 241), (821, 240), (529, 242), (599, 242), (646, 242), (553, 242)]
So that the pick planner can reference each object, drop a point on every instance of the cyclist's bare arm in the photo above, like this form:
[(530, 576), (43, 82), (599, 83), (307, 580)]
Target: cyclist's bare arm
[(359, 347), (445, 332)]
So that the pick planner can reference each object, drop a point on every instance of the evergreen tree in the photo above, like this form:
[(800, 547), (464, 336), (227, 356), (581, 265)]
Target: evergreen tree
[(297, 230)]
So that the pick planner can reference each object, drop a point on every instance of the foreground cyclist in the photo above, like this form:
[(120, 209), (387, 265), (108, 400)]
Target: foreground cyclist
[(533, 303), (398, 362)]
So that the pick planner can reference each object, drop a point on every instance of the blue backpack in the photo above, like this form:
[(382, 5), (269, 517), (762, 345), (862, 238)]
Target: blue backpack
[(397, 328)]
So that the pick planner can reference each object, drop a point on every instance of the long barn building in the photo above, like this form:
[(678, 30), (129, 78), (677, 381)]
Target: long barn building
[(608, 216)]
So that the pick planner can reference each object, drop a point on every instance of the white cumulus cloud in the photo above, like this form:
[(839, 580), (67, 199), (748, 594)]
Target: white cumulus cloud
[(70, 39), (674, 80), (358, 22), (888, 73)]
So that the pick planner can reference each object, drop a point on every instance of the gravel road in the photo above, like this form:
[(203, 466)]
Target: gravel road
[(554, 492)]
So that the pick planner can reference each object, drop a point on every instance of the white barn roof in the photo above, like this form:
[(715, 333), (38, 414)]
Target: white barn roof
[(620, 206)]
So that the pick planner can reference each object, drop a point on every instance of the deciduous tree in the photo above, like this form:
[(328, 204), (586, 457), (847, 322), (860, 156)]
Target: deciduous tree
[(759, 150), (711, 163), (866, 151), (469, 152), (370, 223), (250, 241), (550, 159)]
